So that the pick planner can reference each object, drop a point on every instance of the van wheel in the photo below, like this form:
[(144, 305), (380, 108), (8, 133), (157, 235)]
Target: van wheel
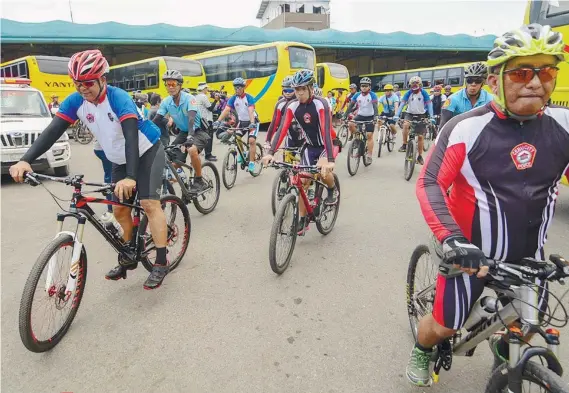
[(61, 171)]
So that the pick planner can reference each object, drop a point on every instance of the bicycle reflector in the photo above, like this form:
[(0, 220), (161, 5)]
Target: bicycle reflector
[(15, 81)]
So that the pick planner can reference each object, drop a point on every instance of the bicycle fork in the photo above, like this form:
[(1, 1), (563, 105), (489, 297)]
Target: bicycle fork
[(75, 258)]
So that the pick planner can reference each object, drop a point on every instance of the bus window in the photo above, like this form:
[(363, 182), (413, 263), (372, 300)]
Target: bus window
[(186, 67), (399, 80), (53, 65), (561, 8), (386, 80), (439, 77), (266, 62), (216, 69), (18, 70), (338, 71), (140, 82), (426, 77), (301, 58), (320, 76), (152, 81), (455, 76)]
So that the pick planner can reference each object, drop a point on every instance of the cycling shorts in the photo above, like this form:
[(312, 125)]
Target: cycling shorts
[(252, 134), (369, 127), (312, 154), (201, 139), (149, 176), (390, 116), (456, 295), (420, 128)]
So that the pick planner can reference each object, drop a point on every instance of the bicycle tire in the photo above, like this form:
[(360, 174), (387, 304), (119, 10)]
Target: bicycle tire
[(427, 140), (199, 207), (275, 231), (343, 135), (534, 372), (354, 148), (258, 157), (390, 141), (363, 154), (275, 200), (229, 180), (410, 160), (29, 339), (380, 137), (181, 208), (87, 132), (418, 252), (319, 226)]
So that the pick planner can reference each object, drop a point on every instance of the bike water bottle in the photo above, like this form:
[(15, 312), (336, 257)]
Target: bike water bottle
[(483, 309), (182, 175), (310, 193), (111, 224)]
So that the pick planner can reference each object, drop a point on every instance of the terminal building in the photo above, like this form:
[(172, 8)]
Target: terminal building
[(304, 14)]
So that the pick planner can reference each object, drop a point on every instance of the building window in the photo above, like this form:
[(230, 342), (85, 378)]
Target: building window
[(317, 10), (301, 9), (285, 7)]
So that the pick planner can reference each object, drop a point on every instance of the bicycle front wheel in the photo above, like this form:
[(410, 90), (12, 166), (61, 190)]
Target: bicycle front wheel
[(428, 139), (354, 157), (207, 200), (380, 137), (258, 157), (179, 228), (280, 186), (390, 141), (284, 228), (541, 378), (47, 283), (83, 135), (229, 170), (343, 135), (410, 160), (421, 282)]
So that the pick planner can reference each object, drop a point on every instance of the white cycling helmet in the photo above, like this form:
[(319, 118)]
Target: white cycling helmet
[(415, 80)]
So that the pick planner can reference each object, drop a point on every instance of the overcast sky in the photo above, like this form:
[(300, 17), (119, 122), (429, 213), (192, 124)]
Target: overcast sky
[(385, 16)]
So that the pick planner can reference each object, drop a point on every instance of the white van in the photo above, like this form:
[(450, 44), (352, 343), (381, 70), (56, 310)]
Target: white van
[(24, 114)]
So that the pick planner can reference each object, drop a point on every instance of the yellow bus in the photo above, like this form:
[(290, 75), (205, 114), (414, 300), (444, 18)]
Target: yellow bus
[(333, 77), (449, 74), (262, 66), (556, 15), (47, 73), (146, 75)]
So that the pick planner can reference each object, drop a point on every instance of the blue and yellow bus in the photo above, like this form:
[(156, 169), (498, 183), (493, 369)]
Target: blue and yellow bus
[(262, 66)]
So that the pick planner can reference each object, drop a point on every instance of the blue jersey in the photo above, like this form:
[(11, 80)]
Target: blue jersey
[(241, 104), (179, 113), (365, 102), (104, 121), (388, 103), (459, 102)]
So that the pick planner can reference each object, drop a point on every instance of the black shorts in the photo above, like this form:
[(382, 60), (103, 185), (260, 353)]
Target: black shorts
[(421, 128), (150, 170), (369, 127), (252, 134), (201, 138), (390, 117)]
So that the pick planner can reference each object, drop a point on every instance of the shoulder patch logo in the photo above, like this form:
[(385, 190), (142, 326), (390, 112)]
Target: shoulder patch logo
[(111, 117), (523, 156)]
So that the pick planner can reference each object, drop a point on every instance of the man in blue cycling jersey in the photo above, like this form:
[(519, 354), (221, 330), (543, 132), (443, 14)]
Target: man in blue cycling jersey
[(472, 96), (366, 101), (183, 109), (129, 142), (390, 103), (244, 105), (418, 102)]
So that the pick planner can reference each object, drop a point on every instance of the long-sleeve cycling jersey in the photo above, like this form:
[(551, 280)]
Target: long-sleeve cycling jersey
[(277, 117), (315, 121), (505, 176)]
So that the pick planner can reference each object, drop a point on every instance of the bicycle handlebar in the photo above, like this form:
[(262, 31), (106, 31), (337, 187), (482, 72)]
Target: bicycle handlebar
[(557, 271), (76, 180), (297, 168)]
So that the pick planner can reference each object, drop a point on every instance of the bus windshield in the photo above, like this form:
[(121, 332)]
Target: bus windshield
[(22, 103), (301, 58)]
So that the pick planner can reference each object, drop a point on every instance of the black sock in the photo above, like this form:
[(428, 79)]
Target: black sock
[(161, 255), (198, 178), (503, 347), (422, 348)]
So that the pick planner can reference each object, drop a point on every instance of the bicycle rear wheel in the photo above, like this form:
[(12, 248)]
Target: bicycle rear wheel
[(343, 135), (328, 214), (380, 136), (533, 374), (420, 295), (280, 186), (83, 135), (279, 260), (258, 157), (229, 170), (179, 230), (207, 201), (410, 160), (52, 289), (354, 157)]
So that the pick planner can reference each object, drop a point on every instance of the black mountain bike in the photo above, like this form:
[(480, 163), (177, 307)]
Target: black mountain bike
[(238, 156), (206, 201), (412, 150), (358, 148), (62, 287), (517, 300)]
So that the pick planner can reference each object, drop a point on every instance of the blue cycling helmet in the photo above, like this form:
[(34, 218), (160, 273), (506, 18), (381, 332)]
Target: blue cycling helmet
[(238, 82), (287, 82), (303, 78)]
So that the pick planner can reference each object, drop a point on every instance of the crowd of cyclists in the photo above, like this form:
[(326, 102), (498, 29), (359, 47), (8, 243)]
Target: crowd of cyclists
[(503, 153)]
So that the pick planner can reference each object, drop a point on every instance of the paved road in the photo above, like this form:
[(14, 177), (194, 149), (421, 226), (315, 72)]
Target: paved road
[(223, 321)]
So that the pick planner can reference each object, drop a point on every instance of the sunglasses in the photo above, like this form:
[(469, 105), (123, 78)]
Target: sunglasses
[(526, 74), (474, 80), (364, 86), (238, 87), (86, 84), (288, 91), (171, 83)]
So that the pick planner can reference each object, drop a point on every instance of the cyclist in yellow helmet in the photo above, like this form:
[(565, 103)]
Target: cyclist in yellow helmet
[(390, 104)]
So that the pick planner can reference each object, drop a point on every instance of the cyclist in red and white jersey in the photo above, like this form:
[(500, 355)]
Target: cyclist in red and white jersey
[(293, 137), (504, 161)]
